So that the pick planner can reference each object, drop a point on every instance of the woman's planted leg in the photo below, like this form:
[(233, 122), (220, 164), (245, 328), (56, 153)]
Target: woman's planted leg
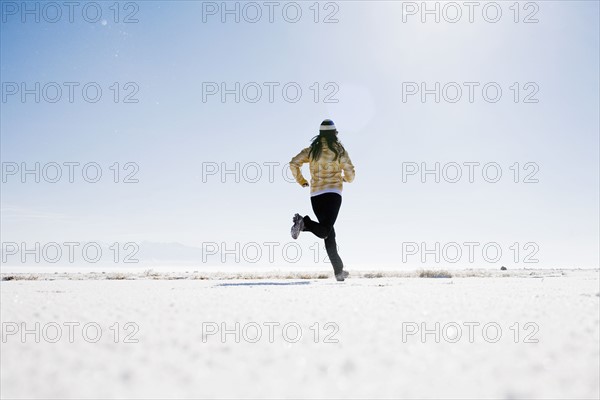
[(334, 257)]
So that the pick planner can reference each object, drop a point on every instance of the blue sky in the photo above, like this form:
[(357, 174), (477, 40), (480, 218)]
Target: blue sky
[(368, 55)]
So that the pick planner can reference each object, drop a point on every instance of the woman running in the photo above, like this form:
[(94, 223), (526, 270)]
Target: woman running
[(327, 158)]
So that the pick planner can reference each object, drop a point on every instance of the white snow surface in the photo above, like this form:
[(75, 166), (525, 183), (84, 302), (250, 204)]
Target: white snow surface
[(175, 358)]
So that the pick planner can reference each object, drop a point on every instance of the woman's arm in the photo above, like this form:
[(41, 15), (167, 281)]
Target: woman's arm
[(296, 165), (347, 167)]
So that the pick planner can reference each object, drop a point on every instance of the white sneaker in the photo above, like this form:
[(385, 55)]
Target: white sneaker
[(341, 276), (298, 226)]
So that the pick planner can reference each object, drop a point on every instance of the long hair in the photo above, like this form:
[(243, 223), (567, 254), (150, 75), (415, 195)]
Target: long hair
[(332, 142)]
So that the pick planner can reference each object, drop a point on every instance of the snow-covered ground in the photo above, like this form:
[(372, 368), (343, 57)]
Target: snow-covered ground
[(515, 334)]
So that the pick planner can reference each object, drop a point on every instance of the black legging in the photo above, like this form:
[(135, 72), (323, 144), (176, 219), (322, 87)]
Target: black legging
[(326, 207)]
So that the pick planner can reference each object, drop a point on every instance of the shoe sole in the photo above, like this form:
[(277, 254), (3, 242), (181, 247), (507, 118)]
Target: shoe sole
[(297, 227)]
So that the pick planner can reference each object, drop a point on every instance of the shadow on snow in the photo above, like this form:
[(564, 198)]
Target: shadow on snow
[(265, 283)]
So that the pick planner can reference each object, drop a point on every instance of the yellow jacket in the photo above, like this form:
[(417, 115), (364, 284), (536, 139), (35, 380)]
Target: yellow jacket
[(326, 173)]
